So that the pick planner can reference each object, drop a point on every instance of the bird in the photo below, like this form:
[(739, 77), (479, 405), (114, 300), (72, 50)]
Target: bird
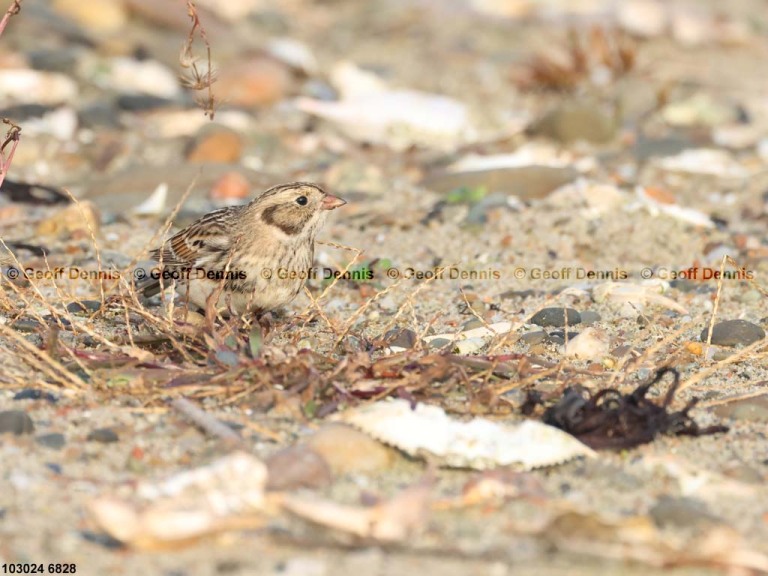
[(253, 258)]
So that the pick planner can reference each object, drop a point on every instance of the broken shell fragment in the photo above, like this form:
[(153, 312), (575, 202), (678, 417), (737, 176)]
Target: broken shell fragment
[(480, 443)]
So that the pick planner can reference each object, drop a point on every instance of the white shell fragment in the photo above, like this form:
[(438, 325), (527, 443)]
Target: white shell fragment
[(632, 298), (155, 204), (224, 494), (398, 118), (480, 443), (705, 162), (687, 215)]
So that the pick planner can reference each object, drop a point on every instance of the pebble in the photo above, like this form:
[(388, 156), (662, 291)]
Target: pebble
[(297, 467), (590, 344), (231, 186), (84, 307), (556, 317), (54, 440), (34, 394), (101, 16), (142, 102), (19, 86), (734, 333), (469, 345), (533, 338), (76, 220), (254, 82), (671, 511), (526, 182), (749, 410), (347, 450), (401, 337), (574, 121), (103, 435), (16, 422), (216, 144), (589, 317)]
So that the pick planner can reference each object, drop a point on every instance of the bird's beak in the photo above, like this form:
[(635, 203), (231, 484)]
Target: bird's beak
[(331, 202)]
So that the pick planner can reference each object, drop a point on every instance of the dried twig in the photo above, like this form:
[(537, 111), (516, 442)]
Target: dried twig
[(196, 79), (11, 139), (13, 9)]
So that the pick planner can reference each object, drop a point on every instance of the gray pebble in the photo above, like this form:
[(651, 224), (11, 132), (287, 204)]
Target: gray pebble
[(533, 338), (84, 307), (556, 317), (589, 317), (53, 440), (401, 337), (681, 512), (16, 422), (734, 333), (103, 435)]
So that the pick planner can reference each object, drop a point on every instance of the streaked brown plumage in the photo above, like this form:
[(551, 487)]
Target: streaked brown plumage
[(242, 251)]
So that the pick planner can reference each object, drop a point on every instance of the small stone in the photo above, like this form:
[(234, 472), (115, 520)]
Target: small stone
[(103, 435), (681, 512), (16, 422), (347, 450), (54, 440), (142, 102), (734, 333), (589, 317), (216, 144), (574, 121), (297, 467), (76, 220), (590, 344), (103, 16), (533, 338), (231, 186), (84, 307), (556, 317), (34, 394), (254, 82), (438, 343), (469, 346), (401, 338), (749, 410)]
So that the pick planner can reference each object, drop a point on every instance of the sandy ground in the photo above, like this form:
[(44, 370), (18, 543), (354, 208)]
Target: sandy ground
[(696, 495)]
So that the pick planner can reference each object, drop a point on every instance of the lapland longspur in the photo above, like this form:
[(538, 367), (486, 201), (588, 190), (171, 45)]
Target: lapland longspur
[(256, 257)]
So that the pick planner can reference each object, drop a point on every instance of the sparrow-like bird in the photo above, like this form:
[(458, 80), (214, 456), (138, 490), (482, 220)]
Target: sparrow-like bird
[(257, 257)]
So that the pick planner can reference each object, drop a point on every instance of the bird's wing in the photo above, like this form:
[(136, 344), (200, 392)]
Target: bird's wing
[(210, 236)]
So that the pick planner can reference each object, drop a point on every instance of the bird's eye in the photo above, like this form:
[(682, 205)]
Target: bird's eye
[(301, 200)]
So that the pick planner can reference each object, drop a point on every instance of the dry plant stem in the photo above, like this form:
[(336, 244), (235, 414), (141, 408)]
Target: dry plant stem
[(754, 348), (42, 361), (205, 421), (13, 9), (11, 138), (198, 80), (716, 306)]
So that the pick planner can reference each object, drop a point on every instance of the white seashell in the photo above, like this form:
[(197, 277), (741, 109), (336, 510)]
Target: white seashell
[(155, 204), (479, 444), (293, 53), (638, 295), (704, 161), (187, 505), (589, 344), (687, 215), (398, 118), (483, 332)]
